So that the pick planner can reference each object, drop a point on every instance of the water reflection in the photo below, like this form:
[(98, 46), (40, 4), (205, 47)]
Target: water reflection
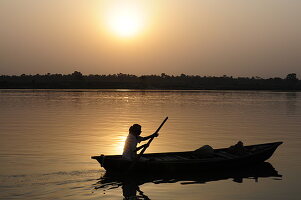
[(291, 102), (130, 183)]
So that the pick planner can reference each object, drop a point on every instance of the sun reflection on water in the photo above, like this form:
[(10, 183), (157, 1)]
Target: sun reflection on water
[(118, 144)]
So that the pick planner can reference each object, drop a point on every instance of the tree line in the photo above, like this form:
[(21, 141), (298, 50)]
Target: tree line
[(77, 80)]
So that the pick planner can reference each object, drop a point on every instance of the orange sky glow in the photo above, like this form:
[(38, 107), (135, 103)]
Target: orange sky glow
[(208, 38)]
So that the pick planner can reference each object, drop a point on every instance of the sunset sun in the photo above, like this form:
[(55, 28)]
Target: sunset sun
[(125, 20)]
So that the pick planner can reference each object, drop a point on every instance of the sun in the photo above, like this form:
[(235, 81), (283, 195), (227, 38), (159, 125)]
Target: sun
[(125, 23), (125, 19)]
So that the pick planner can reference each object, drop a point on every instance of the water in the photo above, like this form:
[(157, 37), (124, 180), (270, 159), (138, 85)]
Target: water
[(48, 136)]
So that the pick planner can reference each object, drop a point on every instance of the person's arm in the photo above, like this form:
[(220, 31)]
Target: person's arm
[(146, 138), (149, 137), (142, 146)]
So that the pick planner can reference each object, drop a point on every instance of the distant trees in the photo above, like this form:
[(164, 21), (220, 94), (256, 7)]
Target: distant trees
[(77, 75), (292, 77), (292, 81), (163, 81)]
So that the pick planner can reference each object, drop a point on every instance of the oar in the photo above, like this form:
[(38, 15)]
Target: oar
[(148, 143), (143, 150)]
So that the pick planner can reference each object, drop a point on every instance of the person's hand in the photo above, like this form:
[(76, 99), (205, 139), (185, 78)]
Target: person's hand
[(155, 134)]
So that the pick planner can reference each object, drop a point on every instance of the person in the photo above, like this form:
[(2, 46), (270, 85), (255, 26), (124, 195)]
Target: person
[(237, 149), (130, 147)]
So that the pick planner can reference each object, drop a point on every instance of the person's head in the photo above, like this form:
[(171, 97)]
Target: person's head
[(135, 129)]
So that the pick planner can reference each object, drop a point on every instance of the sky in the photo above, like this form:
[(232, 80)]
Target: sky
[(194, 37)]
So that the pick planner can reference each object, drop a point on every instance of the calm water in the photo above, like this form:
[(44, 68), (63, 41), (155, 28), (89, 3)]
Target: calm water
[(48, 136)]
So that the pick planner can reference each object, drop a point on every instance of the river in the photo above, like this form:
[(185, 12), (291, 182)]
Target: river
[(48, 136)]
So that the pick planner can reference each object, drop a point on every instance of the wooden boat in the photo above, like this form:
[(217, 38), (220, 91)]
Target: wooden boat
[(189, 160)]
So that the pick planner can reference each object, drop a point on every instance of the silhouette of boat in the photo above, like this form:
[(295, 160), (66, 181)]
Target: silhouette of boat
[(190, 160), (130, 182)]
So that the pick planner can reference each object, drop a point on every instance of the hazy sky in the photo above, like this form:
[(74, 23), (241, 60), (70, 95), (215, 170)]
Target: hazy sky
[(204, 37)]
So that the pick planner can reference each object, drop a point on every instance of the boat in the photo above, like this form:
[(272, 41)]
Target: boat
[(189, 160)]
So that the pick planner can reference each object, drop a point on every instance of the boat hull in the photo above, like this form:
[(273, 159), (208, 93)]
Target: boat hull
[(181, 161)]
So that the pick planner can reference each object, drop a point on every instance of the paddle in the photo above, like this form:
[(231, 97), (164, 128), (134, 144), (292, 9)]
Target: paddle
[(148, 143)]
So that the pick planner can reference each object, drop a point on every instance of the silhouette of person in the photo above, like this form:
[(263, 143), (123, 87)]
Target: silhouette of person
[(130, 187), (130, 147)]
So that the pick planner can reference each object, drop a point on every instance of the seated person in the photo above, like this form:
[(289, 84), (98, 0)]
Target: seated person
[(130, 147), (237, 149)]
